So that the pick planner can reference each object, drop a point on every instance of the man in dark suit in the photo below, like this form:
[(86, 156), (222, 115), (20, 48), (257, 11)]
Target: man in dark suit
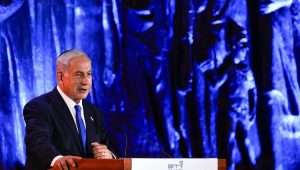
[(61, 126)]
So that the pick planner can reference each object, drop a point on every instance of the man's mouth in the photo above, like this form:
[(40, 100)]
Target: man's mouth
[(83, 90)]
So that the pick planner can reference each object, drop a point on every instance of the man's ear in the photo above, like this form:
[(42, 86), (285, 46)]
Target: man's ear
[(59, 76)]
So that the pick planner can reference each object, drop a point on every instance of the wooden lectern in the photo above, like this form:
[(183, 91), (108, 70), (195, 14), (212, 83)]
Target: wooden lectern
[(102, 164), (127, 163)]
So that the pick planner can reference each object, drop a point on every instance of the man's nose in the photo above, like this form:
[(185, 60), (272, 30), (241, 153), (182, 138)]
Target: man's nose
[(86, 79)]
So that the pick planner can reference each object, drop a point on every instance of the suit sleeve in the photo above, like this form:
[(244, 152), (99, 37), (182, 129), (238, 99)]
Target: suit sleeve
[(38, 133)]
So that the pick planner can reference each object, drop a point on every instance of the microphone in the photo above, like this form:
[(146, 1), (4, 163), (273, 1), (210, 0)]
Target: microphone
[(126, 143), (166, 153), (122, 145)]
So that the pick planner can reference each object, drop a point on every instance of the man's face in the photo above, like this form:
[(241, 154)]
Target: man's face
[(76, 80)]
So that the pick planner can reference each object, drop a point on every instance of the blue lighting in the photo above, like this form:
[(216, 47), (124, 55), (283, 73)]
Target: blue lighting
[(184, 78)]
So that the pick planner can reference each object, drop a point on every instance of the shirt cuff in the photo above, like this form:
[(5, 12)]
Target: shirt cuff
[(54, 159), (113, 155)]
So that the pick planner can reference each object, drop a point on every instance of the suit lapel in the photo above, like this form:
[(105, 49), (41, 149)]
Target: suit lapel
[(63, 113), (90, 126)]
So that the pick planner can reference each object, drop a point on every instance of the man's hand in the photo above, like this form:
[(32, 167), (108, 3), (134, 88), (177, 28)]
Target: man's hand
[(101, 151), (66, 162)]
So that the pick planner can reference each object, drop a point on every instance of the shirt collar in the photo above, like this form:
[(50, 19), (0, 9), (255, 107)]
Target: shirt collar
[(70, 103), (68, 100)]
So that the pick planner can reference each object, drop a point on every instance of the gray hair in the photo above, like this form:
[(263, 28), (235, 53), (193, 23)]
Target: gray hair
[(63, 60)]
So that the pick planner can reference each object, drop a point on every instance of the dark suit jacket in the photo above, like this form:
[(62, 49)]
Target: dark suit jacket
[(51, 131)]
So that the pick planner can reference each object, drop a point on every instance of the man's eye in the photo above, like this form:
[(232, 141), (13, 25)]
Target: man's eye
[(77, 75)]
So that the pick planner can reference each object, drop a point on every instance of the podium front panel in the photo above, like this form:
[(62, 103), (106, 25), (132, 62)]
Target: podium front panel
[(150, 164)]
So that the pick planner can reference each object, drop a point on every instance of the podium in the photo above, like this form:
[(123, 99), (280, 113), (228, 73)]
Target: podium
[(150, 164), (101, 164)]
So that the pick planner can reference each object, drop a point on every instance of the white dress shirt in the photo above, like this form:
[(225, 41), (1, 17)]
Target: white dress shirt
[(70, 103)]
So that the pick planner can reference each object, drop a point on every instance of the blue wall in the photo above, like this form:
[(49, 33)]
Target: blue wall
[(174, 78)]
